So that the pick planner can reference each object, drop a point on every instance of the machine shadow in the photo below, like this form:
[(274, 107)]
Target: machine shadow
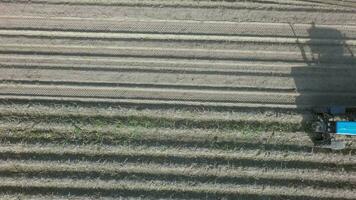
[(327, 76)]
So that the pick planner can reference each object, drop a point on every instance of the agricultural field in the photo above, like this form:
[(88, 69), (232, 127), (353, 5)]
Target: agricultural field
[(174, 99)]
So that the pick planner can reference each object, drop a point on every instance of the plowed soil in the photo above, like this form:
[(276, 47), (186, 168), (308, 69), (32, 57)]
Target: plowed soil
[(157, 99)]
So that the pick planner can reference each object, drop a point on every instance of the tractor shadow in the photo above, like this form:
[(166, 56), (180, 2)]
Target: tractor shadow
[(328, 75)]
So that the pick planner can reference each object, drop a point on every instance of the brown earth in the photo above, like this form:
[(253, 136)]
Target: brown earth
[(159, 99)]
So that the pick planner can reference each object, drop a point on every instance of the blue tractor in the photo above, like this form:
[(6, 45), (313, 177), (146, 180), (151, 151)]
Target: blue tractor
[(332, 122)]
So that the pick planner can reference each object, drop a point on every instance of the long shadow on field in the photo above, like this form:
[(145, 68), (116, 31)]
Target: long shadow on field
[(328, 77)]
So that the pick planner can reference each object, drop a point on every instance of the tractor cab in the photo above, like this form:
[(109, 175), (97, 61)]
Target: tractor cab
[(333, 125)]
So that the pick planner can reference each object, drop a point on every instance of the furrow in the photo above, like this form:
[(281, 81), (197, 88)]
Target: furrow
[(194, 4), (135, 64), (68, 196), (107, 64), (226, 28), (346, 3), (160, 189), (346, 99), (200, 157), (155, 65), (298, 15), (43, 132), (264, 120), (141, 77), (113, 51), (154, 104), (151, 93), (84, 170), (307, 47), (310, 49), (242, 135), (148, 52), (172, 37)]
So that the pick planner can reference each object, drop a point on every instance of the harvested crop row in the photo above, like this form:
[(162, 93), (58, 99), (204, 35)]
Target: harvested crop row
[(177, 173), (198, 156), (173, 118), (105, 133), (161, 189)]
